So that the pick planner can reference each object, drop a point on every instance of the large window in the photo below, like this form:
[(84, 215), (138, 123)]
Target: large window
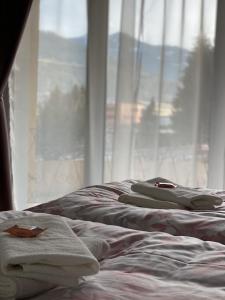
[(155, 119)]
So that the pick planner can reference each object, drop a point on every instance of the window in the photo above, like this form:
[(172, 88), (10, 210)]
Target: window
[(154, 119)]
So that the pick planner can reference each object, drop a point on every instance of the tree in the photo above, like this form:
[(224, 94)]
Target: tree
[(193, 96), (61, 124), (147, 126)]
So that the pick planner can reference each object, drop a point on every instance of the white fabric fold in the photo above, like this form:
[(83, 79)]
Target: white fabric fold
[(98, 247), (148, 202), (192, 198), (20, 288), (56, 256)]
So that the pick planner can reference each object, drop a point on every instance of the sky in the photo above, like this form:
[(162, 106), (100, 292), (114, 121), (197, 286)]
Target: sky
[(69, 18), (65, 17)]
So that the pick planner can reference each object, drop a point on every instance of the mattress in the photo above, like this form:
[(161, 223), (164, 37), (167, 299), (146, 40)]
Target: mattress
[(99, 203), (146, 265)]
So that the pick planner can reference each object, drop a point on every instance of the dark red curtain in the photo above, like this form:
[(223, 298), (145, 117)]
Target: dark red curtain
[(13, 16)]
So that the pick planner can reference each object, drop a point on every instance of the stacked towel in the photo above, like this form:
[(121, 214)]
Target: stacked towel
[(148, 202), (19, 288), (55, 257), (197, 199)]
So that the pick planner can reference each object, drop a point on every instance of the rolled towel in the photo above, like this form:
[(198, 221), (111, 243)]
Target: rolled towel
[(56, 256), (147, 202), (192, 198), (98, 247), (20, 288)]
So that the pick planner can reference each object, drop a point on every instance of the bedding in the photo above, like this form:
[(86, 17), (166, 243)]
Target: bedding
[(145, 265), (99, 203)]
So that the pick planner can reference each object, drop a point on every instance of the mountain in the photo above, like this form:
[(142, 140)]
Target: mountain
[(57, 48), (62, 63), (151, 56), (73, 50)]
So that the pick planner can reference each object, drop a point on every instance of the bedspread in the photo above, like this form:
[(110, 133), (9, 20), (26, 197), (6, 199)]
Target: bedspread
[(99, 203), (142, 266)]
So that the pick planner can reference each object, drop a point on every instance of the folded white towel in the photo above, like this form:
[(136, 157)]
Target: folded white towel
[(147, 202), (189, 197), (56, 256), (20, 288), (98, 247)]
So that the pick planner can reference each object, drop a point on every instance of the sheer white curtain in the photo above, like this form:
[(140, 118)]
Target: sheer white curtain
[(49, 107), (161, 91), (102, 93)]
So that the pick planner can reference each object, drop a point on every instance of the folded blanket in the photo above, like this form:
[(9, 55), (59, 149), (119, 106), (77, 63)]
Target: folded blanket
[(192, 198), (56, 256), (147, 202)]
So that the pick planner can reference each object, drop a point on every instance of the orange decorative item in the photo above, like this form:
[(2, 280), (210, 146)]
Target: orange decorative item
[(25, 231), (166, 185)]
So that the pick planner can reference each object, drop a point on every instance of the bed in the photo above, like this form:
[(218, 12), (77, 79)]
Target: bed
[(146, 265), (99, 204)]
